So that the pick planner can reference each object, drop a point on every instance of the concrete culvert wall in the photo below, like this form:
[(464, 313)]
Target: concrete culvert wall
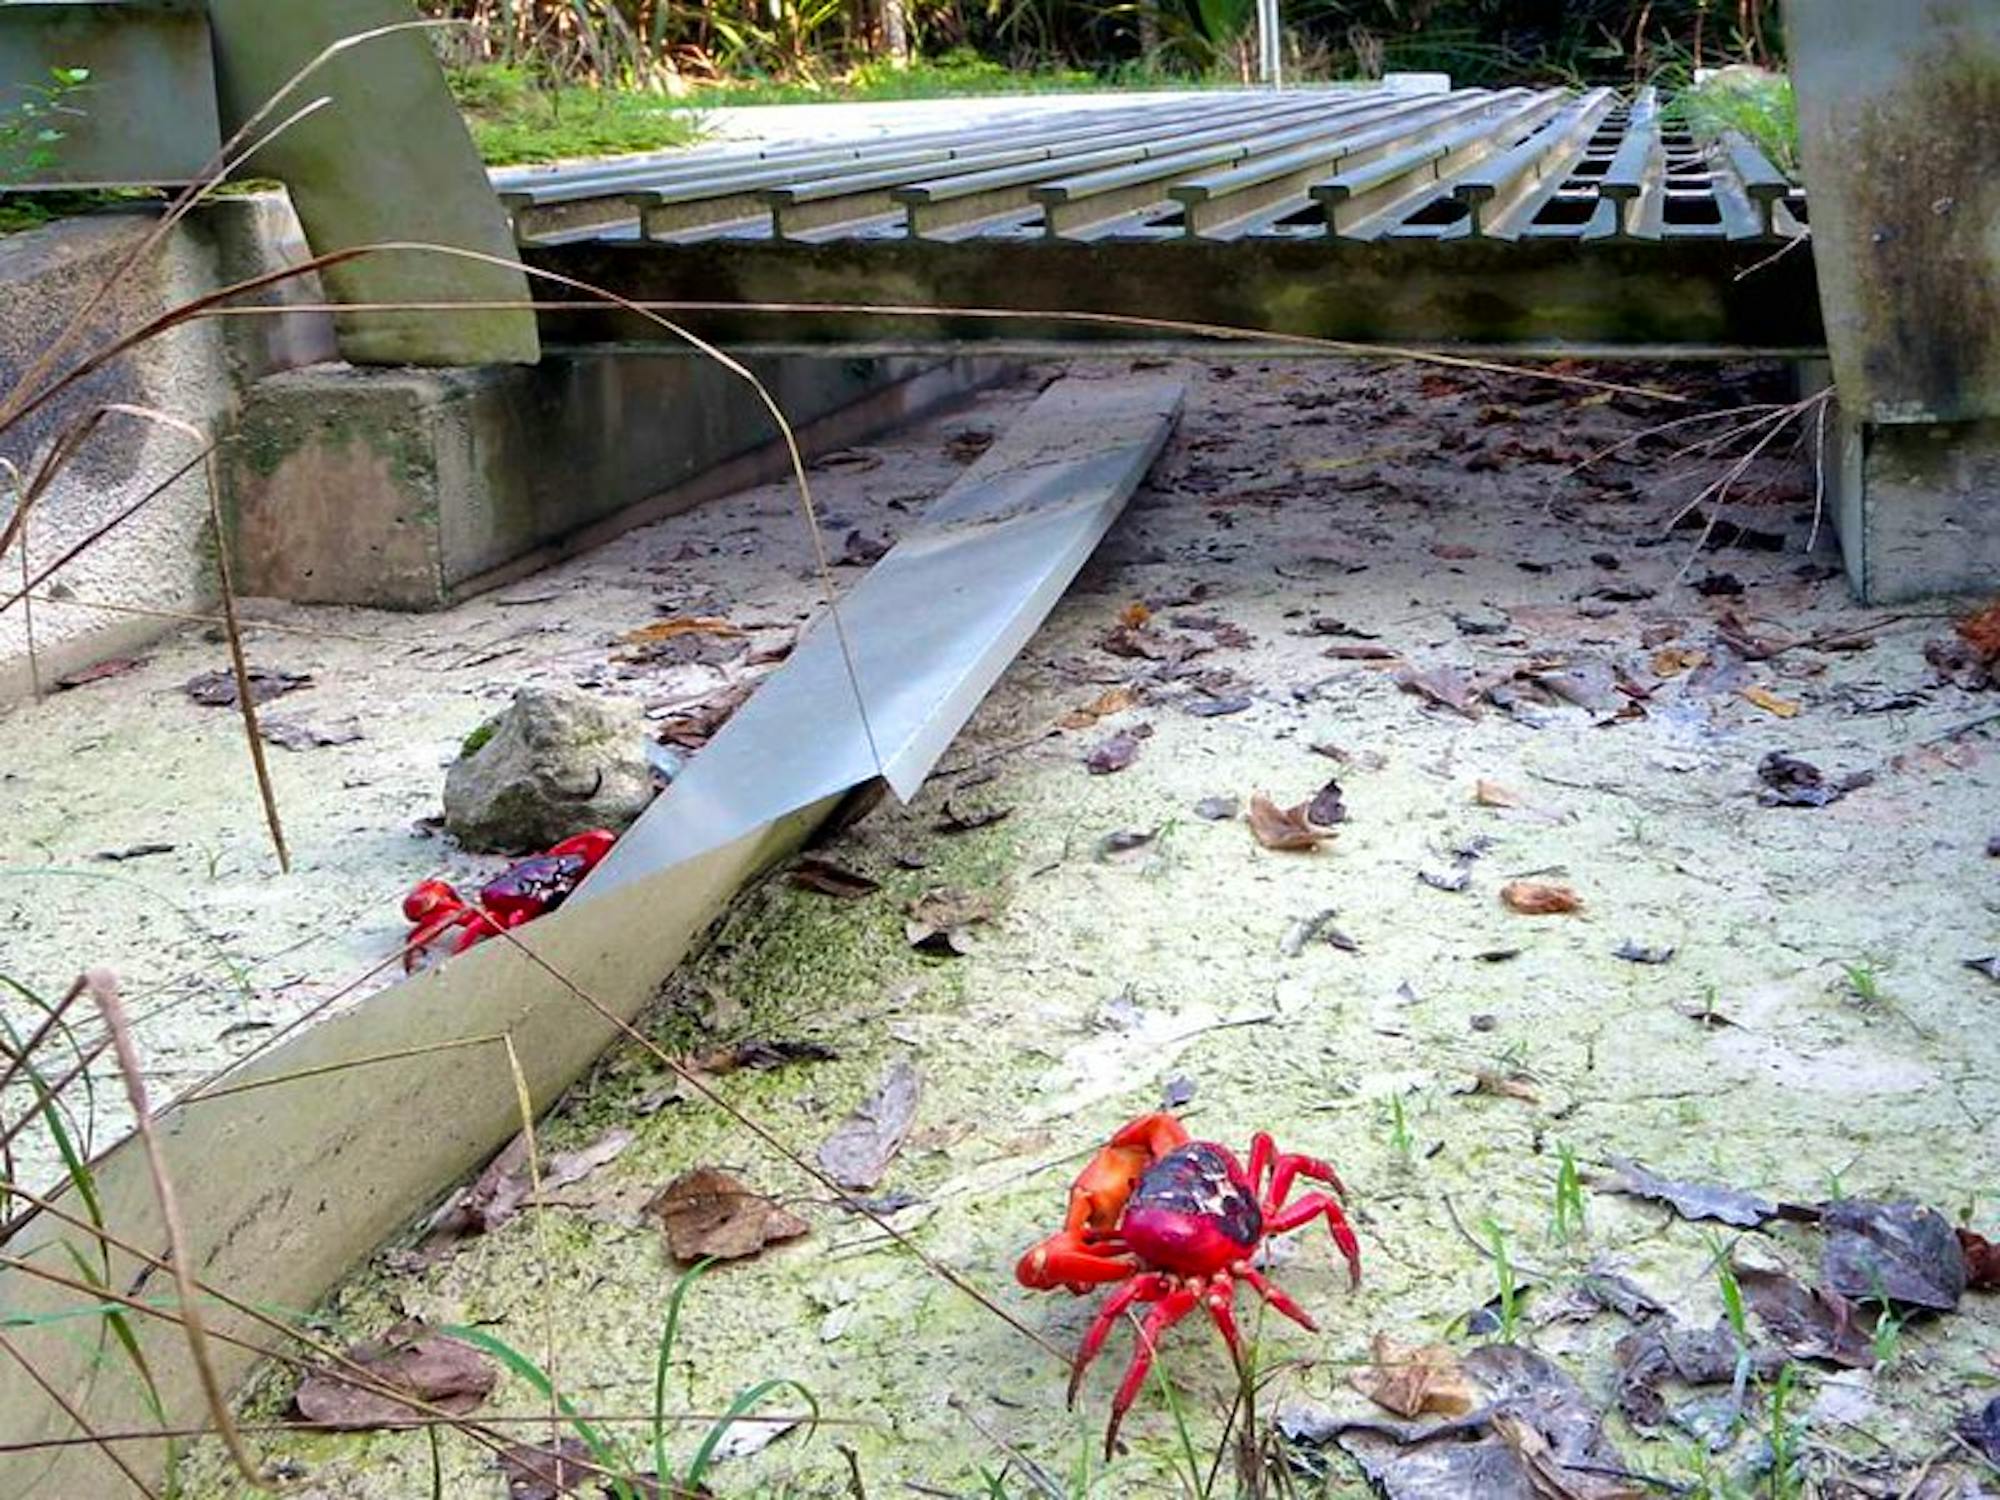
[(161, 557)]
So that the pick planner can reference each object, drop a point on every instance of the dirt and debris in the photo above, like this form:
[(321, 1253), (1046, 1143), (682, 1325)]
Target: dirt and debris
[(1620, 731)]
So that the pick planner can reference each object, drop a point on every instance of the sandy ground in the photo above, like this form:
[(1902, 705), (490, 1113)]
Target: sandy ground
[(1813, 1033)]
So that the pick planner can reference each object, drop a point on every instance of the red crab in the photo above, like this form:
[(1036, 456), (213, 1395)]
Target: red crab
[(1177, 1220), (518, 894)]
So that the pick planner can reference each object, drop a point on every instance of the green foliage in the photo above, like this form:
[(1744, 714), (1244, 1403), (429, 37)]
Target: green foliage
[(825, 47), (61, 1055), (31, 137), (1758, 106), (31, 125), (1566, 1215), (1506, 1286), (1784, 1436), (1400, 1140), (605, 1450), (513, 119)]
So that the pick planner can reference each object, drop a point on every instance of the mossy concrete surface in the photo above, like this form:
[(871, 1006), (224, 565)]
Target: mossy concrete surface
[(1814, 1032), (406, 489)]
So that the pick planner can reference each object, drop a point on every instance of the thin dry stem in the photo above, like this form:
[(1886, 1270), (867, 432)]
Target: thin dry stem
[(196, 617), (76, 549), (1222, 332), (524, 1102), (352, 1372), (69, 1409), (416, 1421), (104, 989), (39, 1035), (202, 1094), (246, 700), (14, 483)]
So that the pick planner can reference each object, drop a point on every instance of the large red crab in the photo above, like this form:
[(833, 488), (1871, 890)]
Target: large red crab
[(518, 894), (1178, 1220)]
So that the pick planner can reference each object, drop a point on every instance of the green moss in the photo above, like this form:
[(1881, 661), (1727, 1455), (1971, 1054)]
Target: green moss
[(477, 738)]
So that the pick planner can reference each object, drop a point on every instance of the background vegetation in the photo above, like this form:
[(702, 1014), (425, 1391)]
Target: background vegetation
[(677, 48)]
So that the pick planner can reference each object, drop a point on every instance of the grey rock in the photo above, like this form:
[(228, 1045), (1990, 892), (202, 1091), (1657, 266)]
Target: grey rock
[(555, 763)]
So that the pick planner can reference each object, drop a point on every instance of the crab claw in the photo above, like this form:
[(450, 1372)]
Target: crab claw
[(429, 898), (590, 846), (1067, 1259)]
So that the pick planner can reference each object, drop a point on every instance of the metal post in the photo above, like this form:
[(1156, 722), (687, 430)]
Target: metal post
[(1270, 45), (388, 158)]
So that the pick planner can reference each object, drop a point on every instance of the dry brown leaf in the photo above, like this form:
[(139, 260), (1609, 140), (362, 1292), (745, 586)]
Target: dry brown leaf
[(1504, 1086), (938, 919), (1982, 1261), (1114, 754), (707, 1212), (1981, 631), (115, 666), (860, 1150), (424, 1366), (1411, 1379), (1493, 794), (1531, 898), (1770, 702), (1114, 701), (1550, 1476), (816, 873), (1445, 686), (1286, 828), (1672, 661), (547, 1471), (1135, 615), (666, 630)]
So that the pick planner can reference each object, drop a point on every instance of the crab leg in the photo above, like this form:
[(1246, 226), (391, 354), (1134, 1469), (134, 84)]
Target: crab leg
[(1274, 1295), (434, 926), (1310, 1207), (1169, 1310), (1220, 1300), (1150, 1286), (1284, 1166)]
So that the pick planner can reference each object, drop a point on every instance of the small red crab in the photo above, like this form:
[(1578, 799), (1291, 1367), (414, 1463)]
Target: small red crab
[(1177, 1220), (518, 894)]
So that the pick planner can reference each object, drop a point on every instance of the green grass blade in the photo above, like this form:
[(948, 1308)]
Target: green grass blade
[(667, 1335), (741, 1407), (602, 1450)]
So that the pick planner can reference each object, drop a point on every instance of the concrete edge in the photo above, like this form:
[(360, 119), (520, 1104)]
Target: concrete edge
[(905, 401)]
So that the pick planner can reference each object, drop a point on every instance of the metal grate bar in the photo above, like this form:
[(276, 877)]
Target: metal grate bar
[(1334, 165)]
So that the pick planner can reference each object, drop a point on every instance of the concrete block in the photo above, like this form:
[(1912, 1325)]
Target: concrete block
[(407, 489), (1917, 508), (133, 552)]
